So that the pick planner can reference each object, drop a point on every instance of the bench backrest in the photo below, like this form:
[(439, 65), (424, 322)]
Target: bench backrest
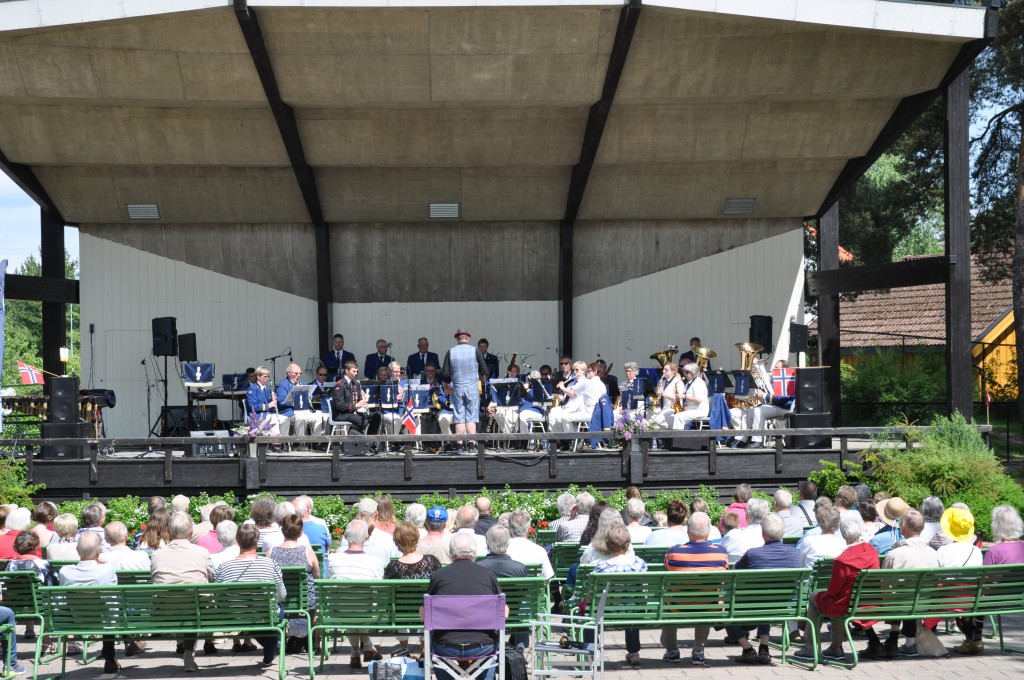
[(821, 574), (916, 593), (160, 608), (545, 536), (297, 586), (21, 592), (564, 555), (653, 555), (133, 577)]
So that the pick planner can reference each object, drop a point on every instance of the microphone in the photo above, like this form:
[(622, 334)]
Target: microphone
[(143, 361)]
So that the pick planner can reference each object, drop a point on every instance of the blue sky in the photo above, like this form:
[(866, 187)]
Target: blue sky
[(19, 226)]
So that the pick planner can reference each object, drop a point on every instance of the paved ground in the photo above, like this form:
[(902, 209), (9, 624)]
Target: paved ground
[(160, 662)]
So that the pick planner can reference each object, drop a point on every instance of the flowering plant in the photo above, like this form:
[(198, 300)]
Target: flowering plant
[(255, 426), (627, 425)]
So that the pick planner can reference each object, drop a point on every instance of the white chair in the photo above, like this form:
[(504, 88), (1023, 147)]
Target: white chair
[(580, 427), (337, 427), (464, 612)]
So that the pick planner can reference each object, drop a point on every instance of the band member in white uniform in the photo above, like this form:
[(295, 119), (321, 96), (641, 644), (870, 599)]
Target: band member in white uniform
[(626, 388), (666, 392), (581, 395), (531, 410), (755, 418), (693, 397), (393, 417)]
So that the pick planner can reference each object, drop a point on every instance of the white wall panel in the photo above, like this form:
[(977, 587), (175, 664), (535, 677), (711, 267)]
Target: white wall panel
[(711, 298), (237, 324), (523, 326)]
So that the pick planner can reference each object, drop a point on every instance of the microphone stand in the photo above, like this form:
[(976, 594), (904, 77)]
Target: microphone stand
[(273, 360)]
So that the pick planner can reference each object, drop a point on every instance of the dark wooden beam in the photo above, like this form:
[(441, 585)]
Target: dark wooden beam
[(289, 131), (919, 272), (52, 265), (908, 111), (597, 119), (828, 310), (957, 169), (27, 181), (41, 289)]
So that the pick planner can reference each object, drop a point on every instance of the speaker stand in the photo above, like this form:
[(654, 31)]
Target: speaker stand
[(153, 432)]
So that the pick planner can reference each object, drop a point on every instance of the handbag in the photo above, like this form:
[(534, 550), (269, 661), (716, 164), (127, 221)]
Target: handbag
[(928, 644)]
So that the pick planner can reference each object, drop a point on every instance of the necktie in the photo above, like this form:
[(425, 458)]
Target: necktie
[(423, 358), (338, 355)]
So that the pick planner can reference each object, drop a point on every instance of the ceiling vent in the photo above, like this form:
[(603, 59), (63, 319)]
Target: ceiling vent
[(143, 211), (444, 211), (739, 206)]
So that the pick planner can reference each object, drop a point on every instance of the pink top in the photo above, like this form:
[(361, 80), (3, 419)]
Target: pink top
[(210, 542), (1006, 552)]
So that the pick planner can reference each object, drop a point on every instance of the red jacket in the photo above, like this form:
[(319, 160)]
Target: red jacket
[(836, 600)]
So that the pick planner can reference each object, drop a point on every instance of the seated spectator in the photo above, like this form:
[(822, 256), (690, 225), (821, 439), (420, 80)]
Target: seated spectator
[(411, 565), (205, 526), (730, 521), (740, 495), (463, 577), (17, 520), (498, 560), (622, 560), (697, 554), (209, 540), (89, 572), (290, 553), (675, 533), (352, 563), (93, 517), (571, 528), (120, 556), (645, 520), (660, 518), (932, 509), (385, 521), (566, 504), (846, 501), (783, 503), (182, 562), (913, 552), (891, 512), (275, 537), (635, 512), (825, 544), (959, 544), (26, 558), (249, 566), (774, 554), (417, 514), (739, 541), (1007, 548), (261, 513), (808, 494), (65, 547), (592, 521), (43, 515), (466, 518), (835, 601), (597, 550), (156, 535), (315, 532), (486, 520), (869, 514), (522, 549), (10, 641), (155, 503), (227, 533), (434, 542), (698, 504)]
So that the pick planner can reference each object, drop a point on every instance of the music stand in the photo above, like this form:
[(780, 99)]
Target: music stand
[(199, 375), (652, 376), (634, 395), (505, 392), (420, 398), (296, 392), (743, 383), (718, 381)]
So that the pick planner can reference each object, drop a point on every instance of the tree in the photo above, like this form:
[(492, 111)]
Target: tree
[(998, 172)]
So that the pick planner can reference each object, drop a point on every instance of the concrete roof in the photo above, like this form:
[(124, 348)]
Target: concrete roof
[(118, 101)]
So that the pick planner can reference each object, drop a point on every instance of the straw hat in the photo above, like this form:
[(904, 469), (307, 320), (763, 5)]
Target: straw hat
[(462, 332), (958, 524), (891, 509)]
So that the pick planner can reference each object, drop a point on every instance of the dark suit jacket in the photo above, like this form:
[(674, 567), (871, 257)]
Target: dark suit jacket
[(492, 365), (330, 360), (344, 398), (373, 363), (414, 365)]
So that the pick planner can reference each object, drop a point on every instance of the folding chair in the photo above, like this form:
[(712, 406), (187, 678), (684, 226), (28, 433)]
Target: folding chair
[(336, 427), (464, 612)]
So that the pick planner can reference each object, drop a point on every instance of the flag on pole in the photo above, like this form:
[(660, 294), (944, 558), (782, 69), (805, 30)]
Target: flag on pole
[(988, 399), (30, 375), (408, 419), (3, 314)]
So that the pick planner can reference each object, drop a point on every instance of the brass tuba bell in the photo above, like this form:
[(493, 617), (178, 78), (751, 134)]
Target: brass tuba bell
[(665, 356), (704, 355), (748, 351)]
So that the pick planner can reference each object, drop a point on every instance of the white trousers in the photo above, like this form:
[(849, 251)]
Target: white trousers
[(527, 417), (560, 420), (444, 422), (305, 421)]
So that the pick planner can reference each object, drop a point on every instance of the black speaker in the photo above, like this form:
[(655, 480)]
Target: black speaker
[(165, 336), (810, 441), (63, 431), (63, 400), (810, 390), (176, 424), (187, 347), (797, 338), (761, 331)]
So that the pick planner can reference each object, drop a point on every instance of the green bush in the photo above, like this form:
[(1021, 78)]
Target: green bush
[(904, 381), (13, 485), (952, 462), (830, 477)]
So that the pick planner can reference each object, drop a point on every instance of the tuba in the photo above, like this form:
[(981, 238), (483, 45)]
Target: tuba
[(748, 359), (665, 356), (704, 356)]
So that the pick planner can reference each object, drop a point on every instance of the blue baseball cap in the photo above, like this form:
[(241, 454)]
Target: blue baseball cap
[(437, 514)]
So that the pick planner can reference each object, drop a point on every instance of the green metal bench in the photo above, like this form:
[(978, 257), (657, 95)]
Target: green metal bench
[(821, 574), (192, 609), (898, 594), (393, 607), (563, 555), (296, 604), (545, 536), (21, 593), (134, 578), (651, 554), (658, 599)]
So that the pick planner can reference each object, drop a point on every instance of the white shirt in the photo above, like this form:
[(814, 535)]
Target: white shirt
[(123, 558), (526, 551), (959, 555), (738, 541), (821, 545), (276, 538), (358, 566), (668, 537), (481, 542), (695, 388), (668, 395), (228, 553), (380, 544), (638, 534)]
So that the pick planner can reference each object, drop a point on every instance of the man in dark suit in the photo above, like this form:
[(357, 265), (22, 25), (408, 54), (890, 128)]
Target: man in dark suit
[(490, 360), (334, 359), (690, 357), (348, 399), (418, 361), (374, 361)]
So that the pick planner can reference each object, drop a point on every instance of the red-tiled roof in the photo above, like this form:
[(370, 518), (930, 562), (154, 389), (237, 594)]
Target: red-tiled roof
[(883, 316)]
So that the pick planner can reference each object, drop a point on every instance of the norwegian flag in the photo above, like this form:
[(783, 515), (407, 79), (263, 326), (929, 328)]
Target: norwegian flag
[(784, 382), (988, 399), (407, 418), (30, 375)]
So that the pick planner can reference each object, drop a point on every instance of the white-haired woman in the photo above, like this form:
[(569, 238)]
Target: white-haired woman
[(693, 397)]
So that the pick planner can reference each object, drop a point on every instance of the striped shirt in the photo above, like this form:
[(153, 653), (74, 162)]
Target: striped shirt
[(696, 556), (251, 569)]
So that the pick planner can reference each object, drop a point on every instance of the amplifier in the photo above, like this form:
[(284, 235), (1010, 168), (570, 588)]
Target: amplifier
[(209, 449), (64, 431), (810, 441)]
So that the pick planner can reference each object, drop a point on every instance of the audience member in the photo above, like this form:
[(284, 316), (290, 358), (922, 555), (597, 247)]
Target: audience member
[(43, 515), (120, 556), (739, 541), (740, 495), (675, 531), (411, 565), (209, 540), (571, 528), (156, 534), (227, 536), (636, 511), (825, 544), (433, 543), (485, 520), (465, 523), (622, 560), (417, 514), (522, 549), (65, 547), (932, 509), (352, 563), (498, 559), (783, 503), (808, 494)]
